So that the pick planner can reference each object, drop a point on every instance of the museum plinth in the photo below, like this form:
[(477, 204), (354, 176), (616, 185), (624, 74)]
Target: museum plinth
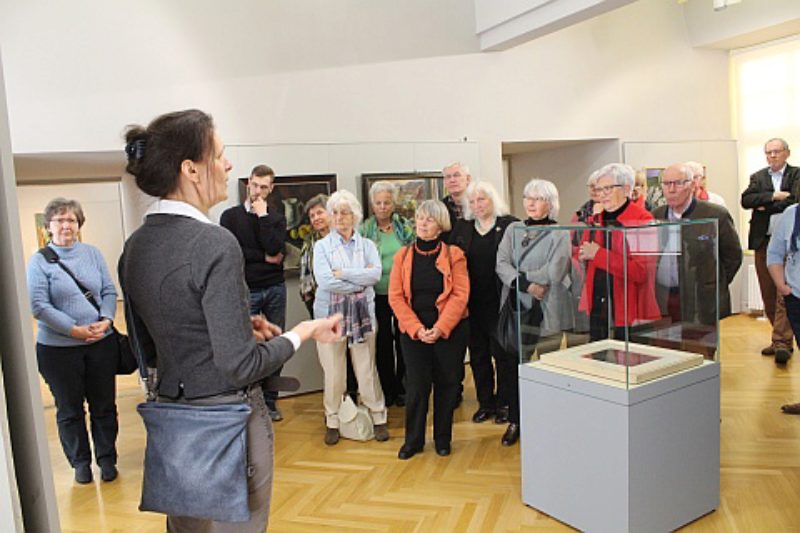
[(608, 457)]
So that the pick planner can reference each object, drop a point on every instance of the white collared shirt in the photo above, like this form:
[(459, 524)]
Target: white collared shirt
[(162, 206), (777, 178)]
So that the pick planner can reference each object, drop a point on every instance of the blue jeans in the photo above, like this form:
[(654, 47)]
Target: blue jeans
[(793, 313), (271, 302)]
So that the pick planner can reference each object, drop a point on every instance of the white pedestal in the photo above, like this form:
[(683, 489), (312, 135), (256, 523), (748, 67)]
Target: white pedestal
[(602, 458)]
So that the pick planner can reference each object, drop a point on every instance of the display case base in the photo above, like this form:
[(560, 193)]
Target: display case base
[(601, 457)]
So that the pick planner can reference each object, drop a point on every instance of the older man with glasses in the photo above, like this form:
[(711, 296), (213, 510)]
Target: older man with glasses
[(686, 278), (770, 192)]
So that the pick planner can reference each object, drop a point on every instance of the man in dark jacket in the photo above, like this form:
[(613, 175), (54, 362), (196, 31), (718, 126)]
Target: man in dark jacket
[(262, 236), (771, 190), (686, 276)]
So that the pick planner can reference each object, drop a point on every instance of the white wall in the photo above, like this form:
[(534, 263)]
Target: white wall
[(611, 77), (567, 167), (744, 24)]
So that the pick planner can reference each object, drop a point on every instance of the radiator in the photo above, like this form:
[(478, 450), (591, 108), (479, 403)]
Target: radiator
[(754, 301)]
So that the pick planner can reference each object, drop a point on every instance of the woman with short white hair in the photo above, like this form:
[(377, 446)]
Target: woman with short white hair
[(390, 232), (479, 234), (346, 267), (537, 274)]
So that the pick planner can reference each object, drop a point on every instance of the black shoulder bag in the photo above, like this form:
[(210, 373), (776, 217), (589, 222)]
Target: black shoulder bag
[(126, 362), (516, 324)]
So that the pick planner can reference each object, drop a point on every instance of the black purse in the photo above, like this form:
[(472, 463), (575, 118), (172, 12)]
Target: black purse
[(518, 327), (126, 361)]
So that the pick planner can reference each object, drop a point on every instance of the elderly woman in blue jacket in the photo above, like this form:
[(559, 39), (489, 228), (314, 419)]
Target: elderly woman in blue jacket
[(346, 267)]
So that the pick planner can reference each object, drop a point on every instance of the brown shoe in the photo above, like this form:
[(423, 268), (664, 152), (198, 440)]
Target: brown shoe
[(769, 350), (791, 408), (331, 436), (381, 432)]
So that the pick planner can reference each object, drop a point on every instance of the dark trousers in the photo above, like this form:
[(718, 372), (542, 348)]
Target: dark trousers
[(391, 369), (482, 348), (270, 302), (439, 366), (792, 304), (83, 373), (773, 304)]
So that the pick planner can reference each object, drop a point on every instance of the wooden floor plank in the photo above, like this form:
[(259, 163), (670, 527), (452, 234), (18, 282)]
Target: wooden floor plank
[(364, 487)]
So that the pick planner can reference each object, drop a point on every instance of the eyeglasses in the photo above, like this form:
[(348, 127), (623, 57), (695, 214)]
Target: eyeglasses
[(676, 184), (607, 188), (773, 152), (342, 213), (61, 220), (536, 198)]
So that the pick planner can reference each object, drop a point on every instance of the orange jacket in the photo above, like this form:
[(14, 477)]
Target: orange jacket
[(452, 303)]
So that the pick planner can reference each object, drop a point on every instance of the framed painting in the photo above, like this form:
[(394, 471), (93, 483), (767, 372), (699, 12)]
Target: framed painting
[(412, 189), (289, 197), (655, 196)]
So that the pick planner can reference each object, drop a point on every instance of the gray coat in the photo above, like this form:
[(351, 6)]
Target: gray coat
[(548, 263), (184, 289)]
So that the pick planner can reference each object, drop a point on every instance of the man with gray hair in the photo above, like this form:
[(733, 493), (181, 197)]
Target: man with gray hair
[(686, 280), (456, 178), (701, 191), (770, 192)]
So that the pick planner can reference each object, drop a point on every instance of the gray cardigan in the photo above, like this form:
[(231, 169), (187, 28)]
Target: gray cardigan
[(184, 284), (548, 263)]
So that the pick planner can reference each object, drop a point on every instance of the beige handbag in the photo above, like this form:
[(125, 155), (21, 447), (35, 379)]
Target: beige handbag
[(355, 422)]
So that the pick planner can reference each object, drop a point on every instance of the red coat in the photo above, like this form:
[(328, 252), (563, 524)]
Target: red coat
[(641, 268)]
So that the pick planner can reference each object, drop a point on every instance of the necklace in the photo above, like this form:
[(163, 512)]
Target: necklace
[(428, 252)]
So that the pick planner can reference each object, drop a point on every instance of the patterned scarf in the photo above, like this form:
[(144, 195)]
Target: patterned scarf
[(353, 306), (357, 321)]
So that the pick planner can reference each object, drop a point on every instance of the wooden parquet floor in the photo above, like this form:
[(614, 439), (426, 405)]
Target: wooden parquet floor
[(364, 487)]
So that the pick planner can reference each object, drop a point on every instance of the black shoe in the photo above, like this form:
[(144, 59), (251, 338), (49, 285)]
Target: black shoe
[(443, 450), (482, 415), (407, 452), (108, 472), (501, 415), (782, 355), (400, 401), (511, 436), (83, 474)]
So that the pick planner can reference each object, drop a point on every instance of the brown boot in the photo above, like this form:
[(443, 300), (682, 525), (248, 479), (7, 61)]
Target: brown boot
[(381, 432)]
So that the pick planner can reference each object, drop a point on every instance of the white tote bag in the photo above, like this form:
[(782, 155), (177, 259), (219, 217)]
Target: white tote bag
[(355, 422)]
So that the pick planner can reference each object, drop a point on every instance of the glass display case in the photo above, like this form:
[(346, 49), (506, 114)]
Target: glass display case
[(620, 305)]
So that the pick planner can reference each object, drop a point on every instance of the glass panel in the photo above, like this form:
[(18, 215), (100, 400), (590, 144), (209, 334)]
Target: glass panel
[(622, 305)]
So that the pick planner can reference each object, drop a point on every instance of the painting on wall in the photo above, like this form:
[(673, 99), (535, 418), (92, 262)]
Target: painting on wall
[(655, 196), (289, 197), (42, 238), (412, 189)]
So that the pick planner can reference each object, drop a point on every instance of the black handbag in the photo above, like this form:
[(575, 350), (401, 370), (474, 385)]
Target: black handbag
[(508, 334), (126, 361), (518, 327)]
